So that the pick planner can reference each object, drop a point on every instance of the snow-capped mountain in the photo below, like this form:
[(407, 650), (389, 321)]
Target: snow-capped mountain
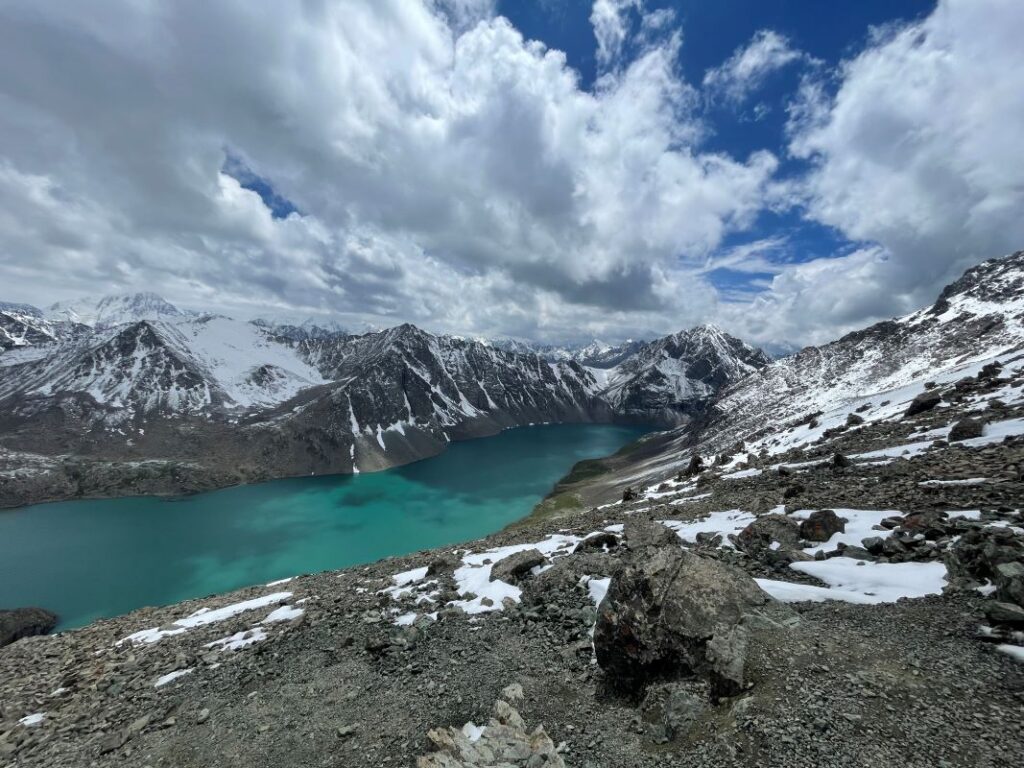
[(133, 377), (302, 328), (593, 354), (22, 325), (116, 309), (674, 378), (869, 376)]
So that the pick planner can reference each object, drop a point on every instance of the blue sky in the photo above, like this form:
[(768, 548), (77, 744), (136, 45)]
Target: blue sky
[(556, 170), (712, 31)]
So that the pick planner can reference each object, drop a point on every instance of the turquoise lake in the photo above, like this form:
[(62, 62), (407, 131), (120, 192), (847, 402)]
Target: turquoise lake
[(91, 559)]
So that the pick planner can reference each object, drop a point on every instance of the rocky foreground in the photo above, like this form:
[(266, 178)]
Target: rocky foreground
[(857, 600)]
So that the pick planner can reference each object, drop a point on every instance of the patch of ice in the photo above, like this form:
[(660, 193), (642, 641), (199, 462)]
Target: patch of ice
[(36, 718), (752, 472), (171, 677), (906, 450), (239, 640), (203, 617), (729, 521), (472, 731), (284, 613), (597, 588), (965, 481), (1016, 651), (857, 581)]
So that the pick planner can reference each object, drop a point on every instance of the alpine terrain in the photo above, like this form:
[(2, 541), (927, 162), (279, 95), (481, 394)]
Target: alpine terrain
[(128, 394), (823, 566)]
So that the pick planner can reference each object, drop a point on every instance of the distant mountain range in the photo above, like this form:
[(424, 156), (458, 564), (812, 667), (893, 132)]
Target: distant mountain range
[(167, 399)]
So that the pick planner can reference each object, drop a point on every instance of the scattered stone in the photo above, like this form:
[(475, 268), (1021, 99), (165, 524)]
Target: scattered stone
[(502, 743)]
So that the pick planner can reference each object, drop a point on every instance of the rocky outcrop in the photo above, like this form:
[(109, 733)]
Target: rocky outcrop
[(25, 622), (822, 525), (671, 612)]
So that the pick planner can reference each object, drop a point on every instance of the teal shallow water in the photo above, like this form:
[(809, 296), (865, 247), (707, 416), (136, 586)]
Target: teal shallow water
[(93, 559)]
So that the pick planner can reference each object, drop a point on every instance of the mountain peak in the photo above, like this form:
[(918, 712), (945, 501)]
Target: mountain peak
[(114, 309)]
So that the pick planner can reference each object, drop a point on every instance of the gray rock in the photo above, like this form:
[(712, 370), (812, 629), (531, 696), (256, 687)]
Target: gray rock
[(965, 429), (1009, 578), (726, 653), (821, 525), (517, 566), (641, 533), (25, 622), (926, 401), (760, 534), (1005, 613), (661, 611)]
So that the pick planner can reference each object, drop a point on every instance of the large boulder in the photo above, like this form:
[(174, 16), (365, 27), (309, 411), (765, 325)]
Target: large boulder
[(661, 612), (517, 566), (25, 622), (767, 530), (926, 401), (641, 533), (822, 525), (965, 429)]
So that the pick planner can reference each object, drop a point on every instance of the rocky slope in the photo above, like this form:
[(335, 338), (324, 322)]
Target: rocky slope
[(130, 394), (792, 610), (870, 376), (844, 589)]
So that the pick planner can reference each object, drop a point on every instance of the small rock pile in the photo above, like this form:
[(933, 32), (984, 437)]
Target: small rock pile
[(503, 743)]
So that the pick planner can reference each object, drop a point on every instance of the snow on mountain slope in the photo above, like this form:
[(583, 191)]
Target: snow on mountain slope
[(22, 325), (675, 377), (978, 318), (405, 377), (186, 366), (131, 368), (245, 362), (873, 374), (116, 309)]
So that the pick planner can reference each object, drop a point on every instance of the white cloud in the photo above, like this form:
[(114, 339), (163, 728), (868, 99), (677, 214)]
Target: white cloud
[(749, 66), (455, 176), (919, 149), (610, 19)]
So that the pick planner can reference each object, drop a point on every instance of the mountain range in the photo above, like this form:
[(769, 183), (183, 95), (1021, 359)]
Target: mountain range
[(151, 396), (131, 394)]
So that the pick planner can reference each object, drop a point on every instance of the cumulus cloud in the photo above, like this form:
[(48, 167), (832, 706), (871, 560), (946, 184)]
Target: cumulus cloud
[(749, 66), (442, 168), (432, 165), (916, 153)]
